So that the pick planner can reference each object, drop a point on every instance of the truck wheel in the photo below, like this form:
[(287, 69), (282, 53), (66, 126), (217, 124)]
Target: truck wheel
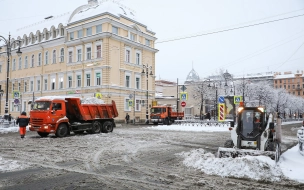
[(270, 146), (166, 122), (41, 134), (62, 131), (96, 127), (155, 123), (107, 127), (229, 144)]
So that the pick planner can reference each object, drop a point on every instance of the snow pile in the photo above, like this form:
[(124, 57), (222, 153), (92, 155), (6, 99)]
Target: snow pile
[(91, 100), (196, 128), (11, 165), (252, 167)]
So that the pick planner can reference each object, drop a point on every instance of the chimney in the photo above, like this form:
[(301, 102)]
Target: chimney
[(92, 2)]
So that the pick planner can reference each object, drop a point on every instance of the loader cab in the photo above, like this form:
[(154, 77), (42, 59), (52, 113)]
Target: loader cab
[(251, 123)]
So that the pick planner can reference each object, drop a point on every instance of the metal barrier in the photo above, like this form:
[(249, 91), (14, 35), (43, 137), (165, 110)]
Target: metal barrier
[(202, 123)]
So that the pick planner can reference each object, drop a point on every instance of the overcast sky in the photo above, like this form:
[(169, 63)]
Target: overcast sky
[(275, 46)]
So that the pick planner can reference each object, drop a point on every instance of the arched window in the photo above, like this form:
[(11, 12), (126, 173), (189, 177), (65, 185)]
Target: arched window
[(33, 60), (62, 55), (39, 59), (46, 58), (20, 63), (25, 62), (54, 56)]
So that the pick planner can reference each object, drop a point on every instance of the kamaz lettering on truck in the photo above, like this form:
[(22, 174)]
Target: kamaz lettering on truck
[(62, 115)]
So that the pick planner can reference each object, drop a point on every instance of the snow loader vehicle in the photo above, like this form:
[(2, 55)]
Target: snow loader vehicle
[(300, 135), (255, 134)]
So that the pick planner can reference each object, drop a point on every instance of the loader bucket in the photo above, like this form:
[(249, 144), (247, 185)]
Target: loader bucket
[(235, 152)]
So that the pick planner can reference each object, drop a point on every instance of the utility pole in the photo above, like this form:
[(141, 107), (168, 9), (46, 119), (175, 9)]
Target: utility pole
[(177, 97)]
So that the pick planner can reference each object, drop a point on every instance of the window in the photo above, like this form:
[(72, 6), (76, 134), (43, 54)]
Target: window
[(88, 79), (70, 81), (45, 84), (20, 63), (54, 56), (46, 58), (70, 57), (114, 30), (303, 86), (128, 81), (137, 58), (98, 48), (62, 55), (299, 93), (132, 37), (275, 81), (61, 83), (33, 60), (284, 86), (89, 31), (79, 33), (98, 78), (98, 28), (25, 86), (32, 86), (127, 108), (79, 55), (19, 86), (39, 59), (88, 53), (25, 62), (128, 56), (78, 80), (137, 83), (147, 42), (14, 64), (137, 105), (71, 35), (62, 31), (293, 86), (53, 83), (38, 85)]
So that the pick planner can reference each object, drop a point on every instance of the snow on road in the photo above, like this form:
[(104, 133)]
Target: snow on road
[(258, 168)]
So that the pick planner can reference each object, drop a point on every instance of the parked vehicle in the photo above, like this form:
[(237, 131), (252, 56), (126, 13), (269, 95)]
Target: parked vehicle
[(164, 114), (62, 115)]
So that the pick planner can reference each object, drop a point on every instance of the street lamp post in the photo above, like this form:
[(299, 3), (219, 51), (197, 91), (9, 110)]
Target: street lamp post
[(146, 69), (8, 43), (1, 94), (202, 98), (215, 102), (227, 77)]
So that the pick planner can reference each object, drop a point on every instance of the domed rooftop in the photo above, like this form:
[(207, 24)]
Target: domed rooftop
[(192, 76), (95, 8)]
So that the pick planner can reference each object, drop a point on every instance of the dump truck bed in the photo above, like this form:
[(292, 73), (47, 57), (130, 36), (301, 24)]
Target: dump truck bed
[(90, 111)]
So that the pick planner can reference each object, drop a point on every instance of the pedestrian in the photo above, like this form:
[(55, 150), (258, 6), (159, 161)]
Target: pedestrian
[(208, 116), (127, 118), (23, 121), (9, 118)]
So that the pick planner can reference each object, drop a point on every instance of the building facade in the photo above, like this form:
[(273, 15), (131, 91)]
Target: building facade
[(293, 83), (100, 48)]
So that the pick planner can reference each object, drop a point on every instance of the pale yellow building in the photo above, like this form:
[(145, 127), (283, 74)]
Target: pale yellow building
[(98, 48)]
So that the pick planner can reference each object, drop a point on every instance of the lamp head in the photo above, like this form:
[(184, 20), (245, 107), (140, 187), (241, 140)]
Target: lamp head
[(151, 73), (143, 71), (19, 52)]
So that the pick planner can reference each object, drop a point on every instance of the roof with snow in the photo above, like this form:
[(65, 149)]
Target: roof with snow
[(90, 10)]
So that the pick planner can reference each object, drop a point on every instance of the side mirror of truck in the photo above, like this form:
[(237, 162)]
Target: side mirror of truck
[(271, 125), (231, 123)]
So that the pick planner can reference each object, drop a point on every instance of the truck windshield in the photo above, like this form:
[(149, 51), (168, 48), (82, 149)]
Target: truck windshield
[(42, 105), (251, 123), (158, 110)]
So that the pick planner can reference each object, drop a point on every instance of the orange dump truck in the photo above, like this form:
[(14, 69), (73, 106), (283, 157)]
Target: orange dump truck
[(62, 115), (165, 115)]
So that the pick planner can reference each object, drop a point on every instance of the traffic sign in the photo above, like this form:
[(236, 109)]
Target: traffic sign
[(131, 96), (16, 101), (130, 103), (238, 99), (183, 88), (184, 96), (183, 104), (221, 99), (221, 112)]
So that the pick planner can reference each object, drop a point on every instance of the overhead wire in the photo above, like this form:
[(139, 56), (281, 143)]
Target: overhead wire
[(230, 29)]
